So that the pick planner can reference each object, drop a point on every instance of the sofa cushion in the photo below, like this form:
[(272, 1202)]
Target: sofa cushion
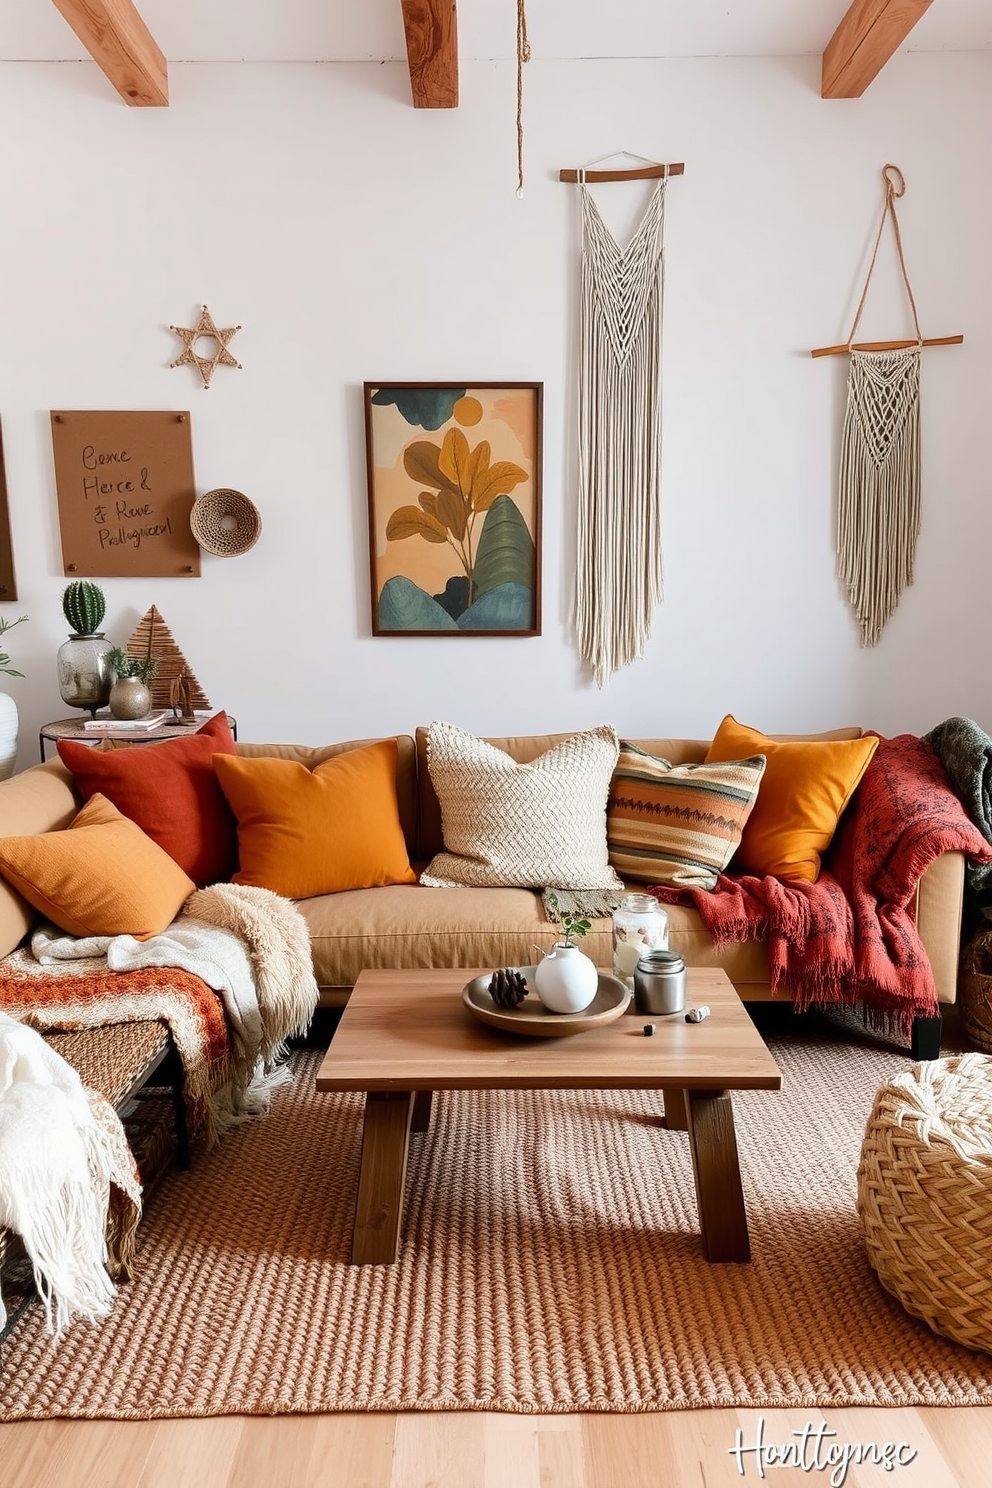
[(42, 799), (524, 748), (313, 755), (170, 790), (303, 832), (480, 929), (101, 876), (805, 787), (541, 824), (678, 824)]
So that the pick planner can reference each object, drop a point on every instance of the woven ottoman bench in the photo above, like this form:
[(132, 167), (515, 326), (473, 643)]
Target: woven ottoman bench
[(925, 1194)]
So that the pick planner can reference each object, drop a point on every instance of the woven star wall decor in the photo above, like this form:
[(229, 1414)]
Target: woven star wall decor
[(205, 364)]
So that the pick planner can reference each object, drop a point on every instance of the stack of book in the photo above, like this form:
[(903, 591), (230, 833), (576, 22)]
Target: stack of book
[(104, 724)]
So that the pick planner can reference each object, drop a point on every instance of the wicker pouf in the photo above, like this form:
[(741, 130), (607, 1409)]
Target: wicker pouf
[(975, 990), (925, 1194)]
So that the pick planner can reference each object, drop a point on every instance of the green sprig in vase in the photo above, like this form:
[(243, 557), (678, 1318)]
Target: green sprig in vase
[(130, 696)]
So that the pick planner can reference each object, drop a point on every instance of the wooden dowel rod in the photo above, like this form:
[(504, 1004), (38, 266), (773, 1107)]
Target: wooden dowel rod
[(642, 173), (886, 345)]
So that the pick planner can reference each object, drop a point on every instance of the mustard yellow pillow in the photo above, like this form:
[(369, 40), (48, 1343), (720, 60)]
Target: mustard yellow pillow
[(100, 876), (303, 832), (804, 789)]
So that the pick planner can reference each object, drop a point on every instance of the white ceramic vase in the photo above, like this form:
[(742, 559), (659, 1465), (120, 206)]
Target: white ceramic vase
[(8, 735), (566, 980)]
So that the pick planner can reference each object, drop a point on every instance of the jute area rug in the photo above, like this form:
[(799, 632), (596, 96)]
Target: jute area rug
[(549, 1262)]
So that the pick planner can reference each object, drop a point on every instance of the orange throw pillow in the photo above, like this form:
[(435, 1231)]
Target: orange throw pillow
[(100, 876), (804, 789), (303, 832), (171, 791)]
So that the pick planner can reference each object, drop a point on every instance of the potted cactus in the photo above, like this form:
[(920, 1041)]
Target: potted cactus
[(85, 676)]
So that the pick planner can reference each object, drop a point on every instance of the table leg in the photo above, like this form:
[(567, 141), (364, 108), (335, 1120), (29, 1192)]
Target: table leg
[(719, 1195), (675, 1117), (379, 1205), (422, 1110)]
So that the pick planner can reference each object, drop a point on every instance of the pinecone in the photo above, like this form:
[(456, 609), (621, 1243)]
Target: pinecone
[(507, 988)]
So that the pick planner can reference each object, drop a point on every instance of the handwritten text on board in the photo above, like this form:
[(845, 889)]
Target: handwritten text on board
[(125, 488)]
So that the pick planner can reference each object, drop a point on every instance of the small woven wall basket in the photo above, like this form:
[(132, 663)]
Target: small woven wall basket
[(225, 523), (925, 1194), (975, 990)]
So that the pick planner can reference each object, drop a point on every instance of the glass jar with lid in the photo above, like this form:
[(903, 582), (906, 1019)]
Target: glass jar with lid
[(639, 924)]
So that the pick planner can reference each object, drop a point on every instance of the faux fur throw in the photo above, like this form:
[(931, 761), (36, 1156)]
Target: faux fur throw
[(851, 937), (67, 1179), (278, 944), (965, 752)]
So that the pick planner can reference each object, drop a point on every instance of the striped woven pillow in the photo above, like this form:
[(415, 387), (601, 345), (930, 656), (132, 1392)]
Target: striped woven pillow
[(678, 824)]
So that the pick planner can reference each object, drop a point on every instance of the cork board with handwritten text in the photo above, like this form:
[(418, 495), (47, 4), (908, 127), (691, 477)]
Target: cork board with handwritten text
[(125, 491)]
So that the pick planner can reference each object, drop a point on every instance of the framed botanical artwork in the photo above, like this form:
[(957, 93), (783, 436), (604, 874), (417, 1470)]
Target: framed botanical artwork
[(454, 474)]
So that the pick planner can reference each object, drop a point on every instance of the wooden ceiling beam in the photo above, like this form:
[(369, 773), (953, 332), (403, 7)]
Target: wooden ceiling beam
[(121, 44), (432, 51), (864, 41)]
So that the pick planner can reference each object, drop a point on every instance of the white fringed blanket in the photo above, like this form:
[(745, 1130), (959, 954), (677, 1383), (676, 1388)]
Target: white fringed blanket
[(64, 1159), (65, 1170)]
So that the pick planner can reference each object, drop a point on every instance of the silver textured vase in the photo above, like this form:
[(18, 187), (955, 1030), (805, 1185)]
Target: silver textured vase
[(85, 676)]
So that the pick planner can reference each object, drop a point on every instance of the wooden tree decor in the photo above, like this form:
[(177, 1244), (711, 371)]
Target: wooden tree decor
[(154, 638)]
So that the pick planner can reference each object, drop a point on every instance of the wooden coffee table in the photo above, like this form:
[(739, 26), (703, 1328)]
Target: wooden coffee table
[(405, 1034)]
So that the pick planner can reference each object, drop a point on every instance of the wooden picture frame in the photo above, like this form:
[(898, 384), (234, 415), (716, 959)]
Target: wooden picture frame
[(8, 579), (454, 487)]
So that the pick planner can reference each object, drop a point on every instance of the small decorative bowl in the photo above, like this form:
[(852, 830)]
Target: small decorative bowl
[(225, 523)]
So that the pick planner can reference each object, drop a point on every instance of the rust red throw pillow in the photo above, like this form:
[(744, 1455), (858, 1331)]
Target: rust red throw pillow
[(171, 791)]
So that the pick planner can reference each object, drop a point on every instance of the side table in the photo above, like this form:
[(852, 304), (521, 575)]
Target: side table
[(72, 728)]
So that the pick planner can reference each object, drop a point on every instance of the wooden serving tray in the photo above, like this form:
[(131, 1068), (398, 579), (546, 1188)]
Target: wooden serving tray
[(533, 1018)]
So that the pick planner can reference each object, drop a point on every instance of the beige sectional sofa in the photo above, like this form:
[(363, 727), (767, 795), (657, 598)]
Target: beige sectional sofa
[(413, 926)]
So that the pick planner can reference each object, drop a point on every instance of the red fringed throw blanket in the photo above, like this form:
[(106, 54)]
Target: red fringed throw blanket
[(851, 936)]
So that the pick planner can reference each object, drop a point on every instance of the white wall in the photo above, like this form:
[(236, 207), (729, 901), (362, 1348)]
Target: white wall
[(355, 238)]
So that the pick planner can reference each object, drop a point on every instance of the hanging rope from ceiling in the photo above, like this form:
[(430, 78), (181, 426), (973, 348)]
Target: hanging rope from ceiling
[(523, 55)]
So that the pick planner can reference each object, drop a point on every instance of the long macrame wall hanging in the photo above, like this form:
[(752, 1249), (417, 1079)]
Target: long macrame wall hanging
[(619, 577), (878, 498)]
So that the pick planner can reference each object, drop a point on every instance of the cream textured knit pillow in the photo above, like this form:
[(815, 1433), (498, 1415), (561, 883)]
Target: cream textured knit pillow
[(541, 825)]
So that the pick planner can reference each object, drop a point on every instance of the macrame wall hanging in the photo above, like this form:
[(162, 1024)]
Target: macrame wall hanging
[(619, 573), (878, 498)]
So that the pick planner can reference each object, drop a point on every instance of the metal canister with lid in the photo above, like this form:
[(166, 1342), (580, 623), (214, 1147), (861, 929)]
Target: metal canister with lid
[(659, 983)]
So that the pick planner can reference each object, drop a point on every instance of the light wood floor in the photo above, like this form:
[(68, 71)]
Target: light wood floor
[(679, 1449)]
